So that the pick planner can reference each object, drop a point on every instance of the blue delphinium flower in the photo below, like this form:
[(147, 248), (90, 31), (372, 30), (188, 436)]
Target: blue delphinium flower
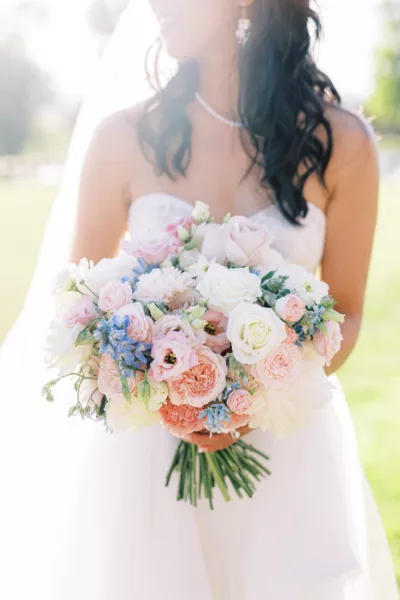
[(218, 415), (115, 341)]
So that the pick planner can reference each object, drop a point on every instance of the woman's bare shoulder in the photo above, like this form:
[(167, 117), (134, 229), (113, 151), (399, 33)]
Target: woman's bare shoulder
[(354, 138)]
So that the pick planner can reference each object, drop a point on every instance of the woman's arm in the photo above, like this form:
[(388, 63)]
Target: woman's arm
[(104, 192), (351, 221)]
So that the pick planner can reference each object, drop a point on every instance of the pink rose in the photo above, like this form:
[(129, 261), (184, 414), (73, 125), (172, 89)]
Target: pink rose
[(174, 323), (281, 369), (172, 356), (109, 381), (83, 311), (291, 335), (240, 401), (216, 331), (202, 383), (141, 326), (180, 420), (246, 241), (328, 345), (113, 295), (153, 252), (291, 308)]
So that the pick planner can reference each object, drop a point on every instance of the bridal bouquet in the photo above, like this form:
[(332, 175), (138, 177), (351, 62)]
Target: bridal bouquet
[(205, 328)]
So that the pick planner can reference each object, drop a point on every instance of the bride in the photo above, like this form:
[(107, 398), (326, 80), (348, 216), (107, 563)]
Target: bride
[(244, 121)]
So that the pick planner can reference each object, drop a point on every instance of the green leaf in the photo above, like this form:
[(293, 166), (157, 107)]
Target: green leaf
[(268, 276)]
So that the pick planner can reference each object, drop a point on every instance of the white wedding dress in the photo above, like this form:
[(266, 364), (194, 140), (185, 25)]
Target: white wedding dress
[(85, 514)]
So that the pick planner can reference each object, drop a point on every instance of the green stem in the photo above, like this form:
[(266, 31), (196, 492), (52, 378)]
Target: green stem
[(194, 479), (217, 475)]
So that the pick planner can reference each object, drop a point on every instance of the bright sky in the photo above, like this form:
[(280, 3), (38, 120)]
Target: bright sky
[(351, 34)]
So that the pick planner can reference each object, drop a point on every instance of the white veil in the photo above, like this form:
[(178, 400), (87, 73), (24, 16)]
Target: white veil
[(119, 82)]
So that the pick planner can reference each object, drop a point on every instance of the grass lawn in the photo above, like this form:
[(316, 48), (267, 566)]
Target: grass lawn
[(371, 377)]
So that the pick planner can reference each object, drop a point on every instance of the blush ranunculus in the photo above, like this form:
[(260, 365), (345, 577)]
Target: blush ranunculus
[(291, 308), (281, 369), (216, 331), (141, 326), (201, 384), (109, 381), (180, 420), (240, 401), (172, 356), (328, 345), (113, 295), (246, 241), (82, 311)]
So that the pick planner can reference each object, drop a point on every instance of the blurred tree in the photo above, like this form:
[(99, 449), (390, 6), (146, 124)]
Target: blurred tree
[(103, 15), (23, 88), (385, 103)]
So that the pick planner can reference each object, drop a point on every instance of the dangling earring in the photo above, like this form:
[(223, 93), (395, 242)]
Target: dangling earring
[(243, 30)]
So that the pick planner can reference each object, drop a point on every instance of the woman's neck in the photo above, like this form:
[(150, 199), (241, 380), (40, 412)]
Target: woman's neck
[(219, 85)]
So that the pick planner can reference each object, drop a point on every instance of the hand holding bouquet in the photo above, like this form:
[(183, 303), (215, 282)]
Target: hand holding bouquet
[(206, 328)]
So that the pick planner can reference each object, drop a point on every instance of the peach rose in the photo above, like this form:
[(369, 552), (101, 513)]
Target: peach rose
[(246, 241), (82, 311), (328, 345), (109, 381), (113, 295), (180, 420), (172, 356), (240, 401), (201, 384), (291, 308), (216, 331), (235, 422), (281, 369), (291, 335), (141, 326)]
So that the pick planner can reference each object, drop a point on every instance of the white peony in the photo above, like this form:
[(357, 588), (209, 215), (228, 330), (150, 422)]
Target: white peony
[(109, 269), (60, 351), (255, 332), (163, 285), (284, 411), (129, 416), (304, 283), (226, 288)]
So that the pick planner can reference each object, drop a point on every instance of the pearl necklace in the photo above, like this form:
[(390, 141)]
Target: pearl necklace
[(215, 114)]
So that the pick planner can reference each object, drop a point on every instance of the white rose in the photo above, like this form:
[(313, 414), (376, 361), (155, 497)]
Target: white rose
[(124, 416), (254, 332), (109, 269), (226, 288), (284, 411), (201, 212), (60, 351), (304, 284)]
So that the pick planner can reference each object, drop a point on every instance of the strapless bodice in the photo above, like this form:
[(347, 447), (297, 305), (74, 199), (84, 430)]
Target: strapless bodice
[(303, 245)]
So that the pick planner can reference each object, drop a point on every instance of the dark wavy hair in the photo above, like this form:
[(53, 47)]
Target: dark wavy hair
[(281, 103)]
